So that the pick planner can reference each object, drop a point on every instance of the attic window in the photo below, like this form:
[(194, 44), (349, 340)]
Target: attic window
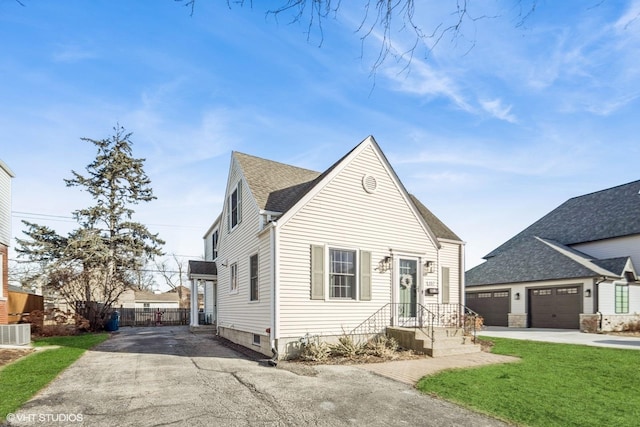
[(629, 276), (369, 183)]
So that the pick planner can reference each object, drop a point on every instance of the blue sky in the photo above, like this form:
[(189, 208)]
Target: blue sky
[(491, 131)]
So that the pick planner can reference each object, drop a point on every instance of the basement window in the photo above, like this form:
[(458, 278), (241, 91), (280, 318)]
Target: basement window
[(256, 339)]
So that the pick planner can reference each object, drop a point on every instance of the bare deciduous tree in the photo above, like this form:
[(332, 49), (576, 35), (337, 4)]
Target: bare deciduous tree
[(383, 20), (174, 276)]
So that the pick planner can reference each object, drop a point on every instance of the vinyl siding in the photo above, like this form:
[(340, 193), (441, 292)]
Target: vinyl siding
[(449, 255), (234, 309), (342, 215), (613, 248), (607, 298), (5, 207)]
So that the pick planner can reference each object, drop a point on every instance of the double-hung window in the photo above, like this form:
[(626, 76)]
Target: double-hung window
[(233, 277), (253, 278), (348, 273), (342, 273), (234, 207), (214, 243)]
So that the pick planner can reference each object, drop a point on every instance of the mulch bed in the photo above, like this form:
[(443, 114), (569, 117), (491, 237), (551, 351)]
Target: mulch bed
[(8, 355)]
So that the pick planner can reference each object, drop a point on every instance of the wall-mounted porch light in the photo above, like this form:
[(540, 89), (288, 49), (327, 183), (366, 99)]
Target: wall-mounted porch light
[(517, 296), (428, 266), (587, 293), (384, 264)]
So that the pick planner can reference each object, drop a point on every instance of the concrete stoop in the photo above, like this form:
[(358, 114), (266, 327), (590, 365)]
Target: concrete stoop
[(446, 342), (203, 329)]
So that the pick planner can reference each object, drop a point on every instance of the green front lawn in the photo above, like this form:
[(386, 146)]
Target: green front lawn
[(553, 385), (24, 378)]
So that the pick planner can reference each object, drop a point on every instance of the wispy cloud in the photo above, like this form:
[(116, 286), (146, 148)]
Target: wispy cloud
[(498, 110), (425, 80), (72, 53), (630, 19)]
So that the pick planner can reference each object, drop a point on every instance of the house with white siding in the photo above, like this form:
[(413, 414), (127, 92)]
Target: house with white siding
[(5, 237), (297, 253), (574, 268)]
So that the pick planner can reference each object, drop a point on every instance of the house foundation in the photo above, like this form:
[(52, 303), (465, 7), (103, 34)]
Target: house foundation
[(255, 342)]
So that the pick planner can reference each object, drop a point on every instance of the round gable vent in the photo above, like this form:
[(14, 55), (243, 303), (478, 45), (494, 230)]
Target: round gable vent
[(369, 183)]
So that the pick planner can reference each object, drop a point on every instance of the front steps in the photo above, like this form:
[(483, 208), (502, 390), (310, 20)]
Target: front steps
[(446, 342), (203, 329)]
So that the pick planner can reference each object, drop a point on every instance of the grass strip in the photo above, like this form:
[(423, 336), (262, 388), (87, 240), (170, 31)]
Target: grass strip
[(22, 379), (553, 385)]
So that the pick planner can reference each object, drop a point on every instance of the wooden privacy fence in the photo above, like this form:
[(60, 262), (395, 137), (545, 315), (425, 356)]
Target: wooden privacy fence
[(21, 304), (153, 316)]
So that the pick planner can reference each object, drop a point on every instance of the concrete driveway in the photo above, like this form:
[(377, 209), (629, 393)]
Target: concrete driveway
[(169, 376), (563, 336)]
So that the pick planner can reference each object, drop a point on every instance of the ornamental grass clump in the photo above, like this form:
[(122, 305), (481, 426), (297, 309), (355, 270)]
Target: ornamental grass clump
[(315, 351), (346, 347), (382, 346)]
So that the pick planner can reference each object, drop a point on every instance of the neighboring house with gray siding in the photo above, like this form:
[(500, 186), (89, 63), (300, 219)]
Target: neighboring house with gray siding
[(573, 268), (300, 253)]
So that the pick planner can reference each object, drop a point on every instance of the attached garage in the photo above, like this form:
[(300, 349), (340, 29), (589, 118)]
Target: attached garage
[(493, 306), (558, 307)]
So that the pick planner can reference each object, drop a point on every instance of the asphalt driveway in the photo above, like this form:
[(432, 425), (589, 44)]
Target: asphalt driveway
[(169, 376)]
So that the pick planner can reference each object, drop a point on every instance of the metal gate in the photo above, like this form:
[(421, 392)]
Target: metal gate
[(154, 316)]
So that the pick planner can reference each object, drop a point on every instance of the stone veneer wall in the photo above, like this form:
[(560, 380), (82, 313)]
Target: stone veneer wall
[(518, 320)]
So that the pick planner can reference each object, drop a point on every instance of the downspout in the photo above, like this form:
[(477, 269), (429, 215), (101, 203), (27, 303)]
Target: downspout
[(596, 300), (275, 310), (461, 296)]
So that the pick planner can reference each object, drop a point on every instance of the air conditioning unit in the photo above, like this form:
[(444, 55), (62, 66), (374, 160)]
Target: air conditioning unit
[(15, 334)]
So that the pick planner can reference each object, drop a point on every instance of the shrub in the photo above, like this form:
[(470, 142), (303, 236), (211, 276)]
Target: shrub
[(315, 351), (631, 326), (346, 347), (382, 346)]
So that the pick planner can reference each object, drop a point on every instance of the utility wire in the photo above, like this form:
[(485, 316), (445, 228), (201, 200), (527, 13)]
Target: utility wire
[(62, 218)]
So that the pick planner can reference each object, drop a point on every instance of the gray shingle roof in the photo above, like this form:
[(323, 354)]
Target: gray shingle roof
[(605, 214), (278, 186), (275, 186), (528, 260), (542, 251), (202, 268), (438, 227)]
